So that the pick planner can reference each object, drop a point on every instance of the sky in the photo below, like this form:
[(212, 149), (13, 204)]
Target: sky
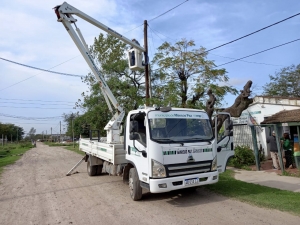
[(31, 35)]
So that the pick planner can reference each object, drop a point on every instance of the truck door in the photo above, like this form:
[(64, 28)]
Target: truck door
[(225, 149), (137, 145)]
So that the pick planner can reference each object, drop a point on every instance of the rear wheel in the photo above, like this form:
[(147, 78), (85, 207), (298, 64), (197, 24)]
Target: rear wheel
[(91, 170), (134, 185), (99, 169)]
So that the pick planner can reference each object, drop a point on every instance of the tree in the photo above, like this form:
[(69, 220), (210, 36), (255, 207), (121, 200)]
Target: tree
[(31, 133), (285, 83), (184, 75), (241, 103), (11, 131), (182, 79), (127, 86)]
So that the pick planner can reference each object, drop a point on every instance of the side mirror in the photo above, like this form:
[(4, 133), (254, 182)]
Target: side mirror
[(144, 154), (228, 124), (133, 126), (133, 136), (219, 148)]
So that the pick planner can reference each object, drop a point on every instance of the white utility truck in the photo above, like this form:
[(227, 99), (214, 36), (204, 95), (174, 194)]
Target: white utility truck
[(162, 148)]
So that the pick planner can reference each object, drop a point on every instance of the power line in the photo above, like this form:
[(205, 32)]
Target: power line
[(30, 107), (268, 64), (32, 100), (29, 123), (259, 52), (30, 118), (21, 103), (252, 33), (167, 11), (37, 74), (155, 34), (157, 16), (49, 71)]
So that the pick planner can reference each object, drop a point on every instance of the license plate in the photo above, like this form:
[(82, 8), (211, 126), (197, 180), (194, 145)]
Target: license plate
[(191, 181)]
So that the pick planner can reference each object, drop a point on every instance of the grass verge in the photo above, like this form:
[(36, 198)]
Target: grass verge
[(76, 149), (68, 146), (256, 194), (12, 152)]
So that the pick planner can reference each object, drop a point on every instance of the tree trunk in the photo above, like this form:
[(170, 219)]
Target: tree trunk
[(240, 104)]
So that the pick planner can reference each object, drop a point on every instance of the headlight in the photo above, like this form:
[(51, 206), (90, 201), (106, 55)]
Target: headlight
[(214, 164), (158, 170)]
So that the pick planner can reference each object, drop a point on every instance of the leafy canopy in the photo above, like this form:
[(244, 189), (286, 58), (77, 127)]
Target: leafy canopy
[(11, 131), (127, 86), (184, 75), (285, 83)]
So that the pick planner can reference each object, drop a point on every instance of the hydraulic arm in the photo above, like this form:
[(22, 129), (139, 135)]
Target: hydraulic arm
[(65, 14)]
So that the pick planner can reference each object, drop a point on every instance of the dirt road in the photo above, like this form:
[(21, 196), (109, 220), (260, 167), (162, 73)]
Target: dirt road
[(35, 190)]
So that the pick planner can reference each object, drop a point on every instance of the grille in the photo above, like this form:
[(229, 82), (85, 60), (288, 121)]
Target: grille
[(174, 170)]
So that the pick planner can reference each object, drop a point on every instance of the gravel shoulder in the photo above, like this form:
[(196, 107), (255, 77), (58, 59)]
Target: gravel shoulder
[(36, 190)]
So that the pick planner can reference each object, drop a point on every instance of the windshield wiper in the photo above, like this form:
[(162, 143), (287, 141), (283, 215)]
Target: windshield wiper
[(195, 138), (164, 139)]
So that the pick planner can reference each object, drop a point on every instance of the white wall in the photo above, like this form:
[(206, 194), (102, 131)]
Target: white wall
[(259, 111)]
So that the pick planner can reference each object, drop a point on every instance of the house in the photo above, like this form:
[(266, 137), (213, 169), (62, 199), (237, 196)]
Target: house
[(262, 108)]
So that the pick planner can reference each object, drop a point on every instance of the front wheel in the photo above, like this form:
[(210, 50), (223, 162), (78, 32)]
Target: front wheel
[(134, 185)]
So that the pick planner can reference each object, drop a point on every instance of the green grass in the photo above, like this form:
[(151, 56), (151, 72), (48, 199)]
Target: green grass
[(12, 152), (68, 146), (76, 149), (291, 174), (256, 194), (57, 144)]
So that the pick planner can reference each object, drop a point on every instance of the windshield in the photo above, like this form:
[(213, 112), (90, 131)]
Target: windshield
[(170, 130)]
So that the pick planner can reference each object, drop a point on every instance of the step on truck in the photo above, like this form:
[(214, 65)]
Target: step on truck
[(160, 148)]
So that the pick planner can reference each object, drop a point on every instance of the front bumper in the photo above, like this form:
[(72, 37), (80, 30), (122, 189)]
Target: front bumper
[(175, 183)]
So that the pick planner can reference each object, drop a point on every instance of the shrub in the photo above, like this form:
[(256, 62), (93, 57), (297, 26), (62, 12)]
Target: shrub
[(243, 156)]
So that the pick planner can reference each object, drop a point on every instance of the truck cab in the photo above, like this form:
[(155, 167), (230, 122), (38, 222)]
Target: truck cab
[(169, 149)]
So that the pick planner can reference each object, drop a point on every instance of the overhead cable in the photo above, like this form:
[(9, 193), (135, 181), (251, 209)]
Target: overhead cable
[(167, 11), (267, 64), (31, 107), (36, 74), (259, 52), (30, 100), (33, 103), (49, 71), (157, 16), (252, 33), (30, 118)]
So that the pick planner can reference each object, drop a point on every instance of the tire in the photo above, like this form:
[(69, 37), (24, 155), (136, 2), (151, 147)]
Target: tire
[(91, 170), (99, 169), (134, 185)]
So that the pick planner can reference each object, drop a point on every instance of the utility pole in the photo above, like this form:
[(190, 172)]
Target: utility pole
[(59, 131), (146, 60), (46, 135), (73, 131), (51, 134)]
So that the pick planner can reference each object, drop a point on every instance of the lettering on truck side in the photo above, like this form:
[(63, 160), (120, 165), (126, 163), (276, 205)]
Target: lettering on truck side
[(102, 149), (195, 150)]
